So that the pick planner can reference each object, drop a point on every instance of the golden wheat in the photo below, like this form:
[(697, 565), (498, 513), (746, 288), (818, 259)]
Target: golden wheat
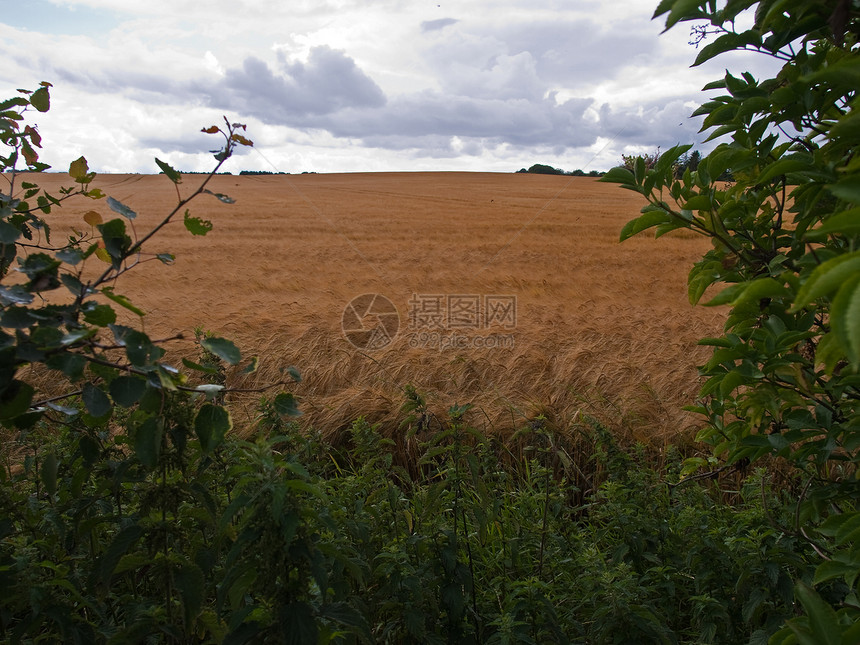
[(602, 328)]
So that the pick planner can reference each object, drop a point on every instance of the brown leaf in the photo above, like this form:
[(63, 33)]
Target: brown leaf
[(92, 218)]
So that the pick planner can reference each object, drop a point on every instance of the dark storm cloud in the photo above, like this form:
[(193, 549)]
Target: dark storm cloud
[(489, 96), (435, 25), (328, 82), (143, 86), (330, 93), (427, 114), (654, 124)]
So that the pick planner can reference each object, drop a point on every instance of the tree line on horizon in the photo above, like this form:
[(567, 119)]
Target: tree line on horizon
[(687, 161), (543, 169)]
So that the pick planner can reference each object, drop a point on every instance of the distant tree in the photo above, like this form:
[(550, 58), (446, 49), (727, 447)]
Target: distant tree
[(688, 161), (542, 169), (650, 160)]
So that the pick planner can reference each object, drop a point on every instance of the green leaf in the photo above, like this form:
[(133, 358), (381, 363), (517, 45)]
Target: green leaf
[(844, 223), (123, 541), (220, 197), (682, 10), (297, 624), (97, 402), (39, 265), (17, 101), (48, 473), (147, 441), (845, 317), (70, 364), (285, 405), (116, 241), (140, 349), (40, 99), (8, 234), (730, 383), (701, 277), (122, 209), (848, 530), (823, 621), (211, 425), (725, 43), (785, 166), (727, 295), (75, 286), (826, 278), (847, 189), (127, 390), (758, 289), (699, 203), (196, 225), (122, 301), (835, 569), (78, 335), (223, 349), (191, 583), (15, 295), (206, 369), (44, 204), (646, 221), (168, 170), (80, 172), (100, 315), (829, 352), (70, 256), (15, 399), (252, 365), (167, 376), (619, 175), (17, 318), (668, 159), (345, 614)]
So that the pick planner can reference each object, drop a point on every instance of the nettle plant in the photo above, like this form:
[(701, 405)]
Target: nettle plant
[(784, 378), (107, 364), (121, 495)]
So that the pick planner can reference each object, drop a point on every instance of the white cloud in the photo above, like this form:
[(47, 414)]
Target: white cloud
[(476, 85)]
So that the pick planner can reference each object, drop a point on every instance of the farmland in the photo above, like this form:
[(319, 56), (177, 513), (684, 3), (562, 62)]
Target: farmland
[(601, 328)]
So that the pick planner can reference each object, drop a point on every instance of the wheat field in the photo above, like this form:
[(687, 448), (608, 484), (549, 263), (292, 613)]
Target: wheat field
[(601, 328)]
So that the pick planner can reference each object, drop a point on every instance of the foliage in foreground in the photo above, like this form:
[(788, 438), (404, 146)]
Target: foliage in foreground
[(128, 513), (289, 540), (784, 378)]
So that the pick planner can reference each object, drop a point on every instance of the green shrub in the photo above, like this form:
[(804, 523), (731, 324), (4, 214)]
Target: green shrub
[(783, 378), (130, 513)]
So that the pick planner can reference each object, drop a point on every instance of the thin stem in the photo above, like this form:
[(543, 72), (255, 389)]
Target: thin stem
[(107, 274)]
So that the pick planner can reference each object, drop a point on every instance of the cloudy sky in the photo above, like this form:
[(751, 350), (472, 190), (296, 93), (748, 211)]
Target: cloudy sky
[(356, 85)]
